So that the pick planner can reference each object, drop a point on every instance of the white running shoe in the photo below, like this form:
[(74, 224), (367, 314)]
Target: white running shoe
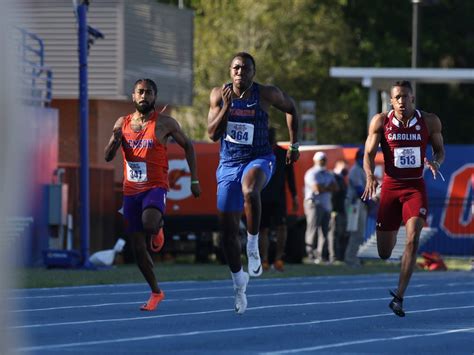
[(240, 296), (255, 264)]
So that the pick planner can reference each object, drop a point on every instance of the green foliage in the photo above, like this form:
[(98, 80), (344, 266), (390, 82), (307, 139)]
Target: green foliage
[(296, 42)]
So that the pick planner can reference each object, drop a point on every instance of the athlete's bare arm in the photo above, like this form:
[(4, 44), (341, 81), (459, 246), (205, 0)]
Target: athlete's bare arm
[(371, 145), (271, 95), (217, 117), (436, 139), (115, 140), (184, 142)]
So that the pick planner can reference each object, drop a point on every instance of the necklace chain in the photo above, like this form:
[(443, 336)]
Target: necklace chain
[(242, 94)]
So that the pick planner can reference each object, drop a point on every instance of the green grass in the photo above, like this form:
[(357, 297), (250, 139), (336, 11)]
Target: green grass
[(184, 270)]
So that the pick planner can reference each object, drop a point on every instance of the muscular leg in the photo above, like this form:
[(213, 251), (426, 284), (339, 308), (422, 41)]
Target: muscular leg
[(144, 261), (229, 225), (386, 241), (252, 185), (253, 182), (413, 229), (151, 219)]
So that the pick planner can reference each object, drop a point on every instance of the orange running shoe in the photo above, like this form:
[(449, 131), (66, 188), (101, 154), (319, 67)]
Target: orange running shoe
[(153, 301), (278, 265), (157, 241)]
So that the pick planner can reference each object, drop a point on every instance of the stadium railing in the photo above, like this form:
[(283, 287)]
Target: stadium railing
[(36, 78)]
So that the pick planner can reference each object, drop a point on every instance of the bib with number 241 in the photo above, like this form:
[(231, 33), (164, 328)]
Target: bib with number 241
[(240, 133), (407, 157), (136, 171)]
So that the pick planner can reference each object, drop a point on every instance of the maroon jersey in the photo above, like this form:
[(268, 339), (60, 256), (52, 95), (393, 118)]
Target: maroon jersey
[(404, 148)]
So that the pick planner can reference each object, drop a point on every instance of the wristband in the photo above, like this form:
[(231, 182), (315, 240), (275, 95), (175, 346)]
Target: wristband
[(194, 181), (294, 147), (437, 163)]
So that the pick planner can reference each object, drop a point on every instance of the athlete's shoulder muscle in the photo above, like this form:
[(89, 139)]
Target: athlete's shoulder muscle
[(119, 122), (433, 123), (376, 123), (215, 97)]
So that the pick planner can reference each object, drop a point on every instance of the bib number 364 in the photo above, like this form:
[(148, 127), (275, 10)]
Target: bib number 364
[(239, 133)]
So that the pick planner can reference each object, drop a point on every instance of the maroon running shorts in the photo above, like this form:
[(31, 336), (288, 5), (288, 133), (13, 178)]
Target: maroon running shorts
[(401, 200)]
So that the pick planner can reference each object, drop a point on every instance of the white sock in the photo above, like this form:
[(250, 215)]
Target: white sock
[(238, 277), (252, 241)]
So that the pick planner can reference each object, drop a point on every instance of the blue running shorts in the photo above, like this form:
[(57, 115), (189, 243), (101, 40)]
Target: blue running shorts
[(229, 182)]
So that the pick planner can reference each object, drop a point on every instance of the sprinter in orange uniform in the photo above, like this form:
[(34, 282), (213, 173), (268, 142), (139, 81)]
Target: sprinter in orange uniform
[(143, 136)]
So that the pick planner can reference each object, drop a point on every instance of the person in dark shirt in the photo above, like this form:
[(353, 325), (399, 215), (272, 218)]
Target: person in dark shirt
[(274, 206), (338, 216)]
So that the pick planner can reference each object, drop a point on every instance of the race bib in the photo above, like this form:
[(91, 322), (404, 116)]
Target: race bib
[(407, 157), (240, 133), (136, 171)]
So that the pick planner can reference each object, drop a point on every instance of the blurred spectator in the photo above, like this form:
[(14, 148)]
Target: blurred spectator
[(338, 225), (319, 185), (356, 210), (274, 206), (373, 204)]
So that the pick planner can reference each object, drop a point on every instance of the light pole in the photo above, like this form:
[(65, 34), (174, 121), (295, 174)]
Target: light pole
[(86, 36), (414, 38)]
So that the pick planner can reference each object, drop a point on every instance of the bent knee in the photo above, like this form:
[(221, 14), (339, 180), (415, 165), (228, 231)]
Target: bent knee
[(151, 227), (384, 255), (251, 194), (386, 241)]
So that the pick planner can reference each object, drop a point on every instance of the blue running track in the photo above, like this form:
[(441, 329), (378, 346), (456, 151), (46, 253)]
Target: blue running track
[(327, 315)]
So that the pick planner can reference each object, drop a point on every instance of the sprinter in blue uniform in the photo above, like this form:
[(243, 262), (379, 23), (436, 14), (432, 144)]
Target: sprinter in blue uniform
[(238, 117)]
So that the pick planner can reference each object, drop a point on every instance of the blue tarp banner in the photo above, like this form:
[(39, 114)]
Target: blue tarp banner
[(451, 204)]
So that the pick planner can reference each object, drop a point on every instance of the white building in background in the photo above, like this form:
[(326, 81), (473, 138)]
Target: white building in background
[(141, 39)]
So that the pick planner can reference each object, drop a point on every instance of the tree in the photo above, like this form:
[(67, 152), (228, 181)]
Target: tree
[(295, 43)]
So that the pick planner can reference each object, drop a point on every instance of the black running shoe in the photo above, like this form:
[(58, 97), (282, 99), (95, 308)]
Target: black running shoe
[(397, 304)]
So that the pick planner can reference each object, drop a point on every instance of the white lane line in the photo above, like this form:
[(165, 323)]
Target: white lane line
[(310, 280), (255, 284), (339, 277), (145, 291), (366, 341), (229, 296), (225, 286), (421, 276), (218, 311), (328, 280), (208, 298), (229, 330)]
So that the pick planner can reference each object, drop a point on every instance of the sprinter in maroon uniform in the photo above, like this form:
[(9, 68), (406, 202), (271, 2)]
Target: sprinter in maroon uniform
[(403, 134)]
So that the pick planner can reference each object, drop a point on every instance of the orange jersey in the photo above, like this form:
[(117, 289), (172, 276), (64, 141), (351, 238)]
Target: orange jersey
[(145, 163)]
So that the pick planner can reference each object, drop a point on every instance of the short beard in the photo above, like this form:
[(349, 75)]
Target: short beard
[(144, 109)]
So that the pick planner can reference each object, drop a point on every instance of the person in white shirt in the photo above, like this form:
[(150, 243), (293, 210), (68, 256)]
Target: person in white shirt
[(319, 185), (356, 210)]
